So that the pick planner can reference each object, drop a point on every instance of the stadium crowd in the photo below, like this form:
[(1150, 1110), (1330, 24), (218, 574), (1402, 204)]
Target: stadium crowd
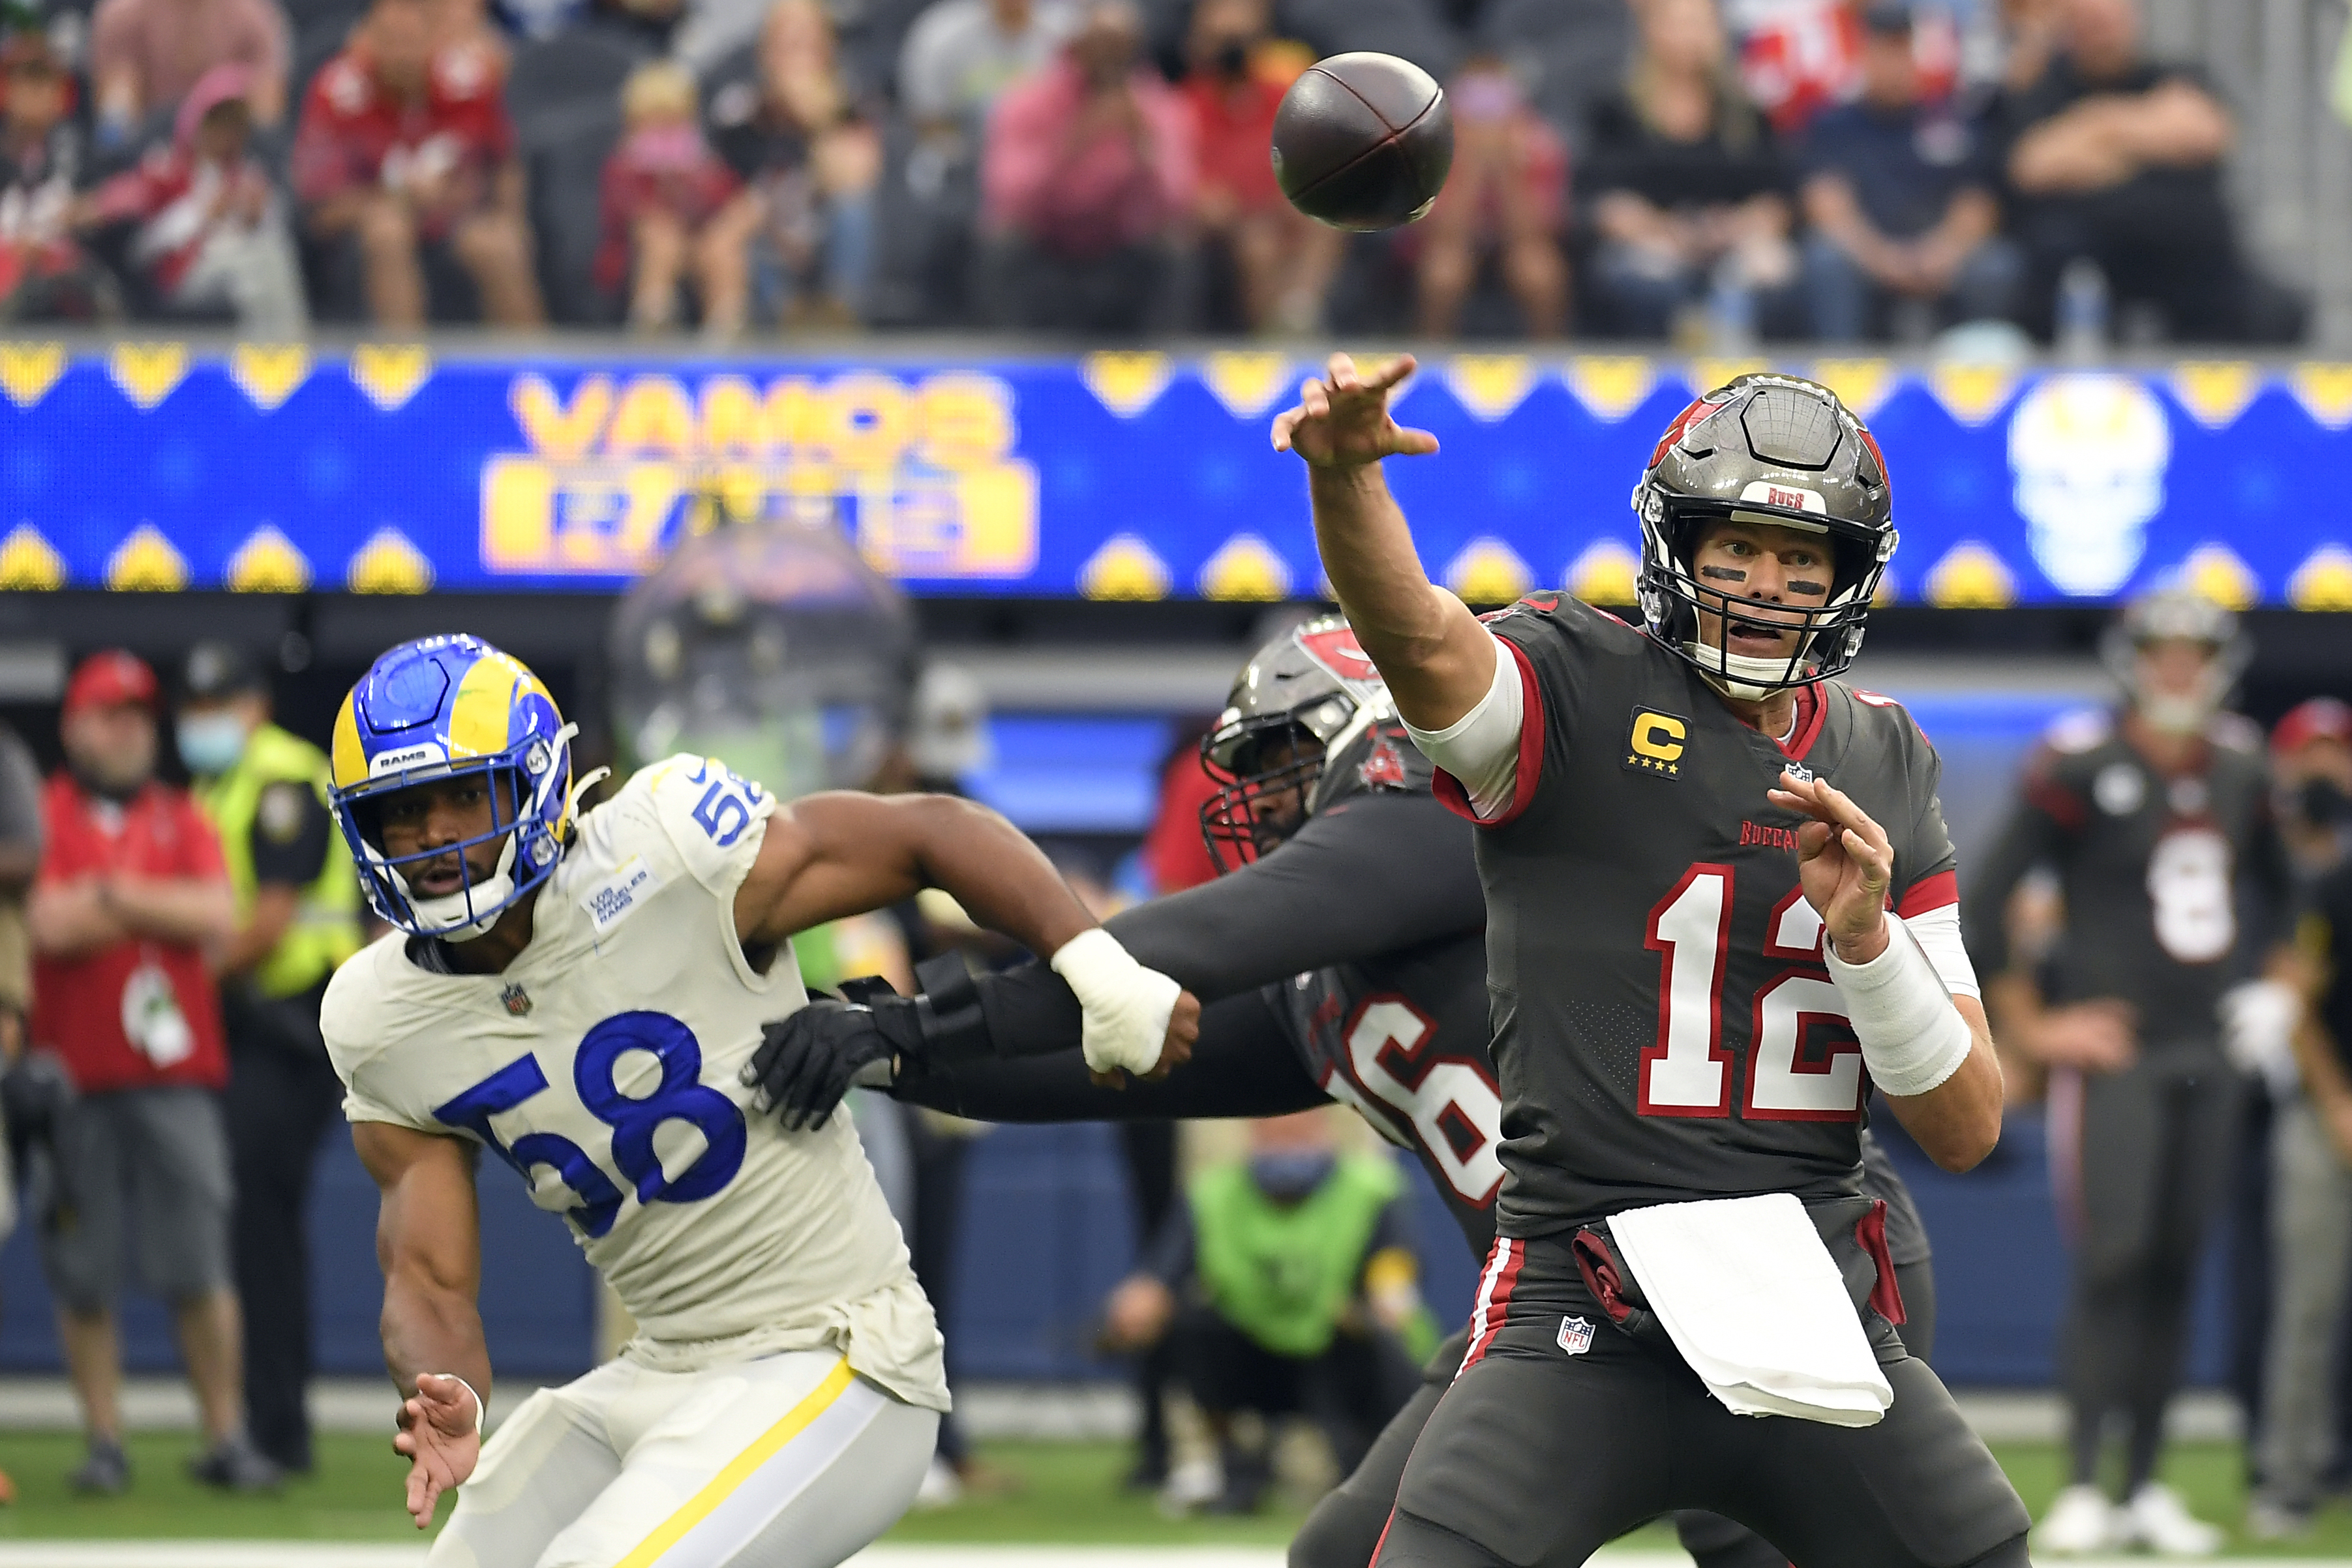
[(1708, 170)]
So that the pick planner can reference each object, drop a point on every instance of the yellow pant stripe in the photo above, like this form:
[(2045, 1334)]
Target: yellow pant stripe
[(739, 1468)]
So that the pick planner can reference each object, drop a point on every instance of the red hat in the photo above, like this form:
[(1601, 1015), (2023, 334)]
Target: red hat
[(110, 679), (2321, 719)]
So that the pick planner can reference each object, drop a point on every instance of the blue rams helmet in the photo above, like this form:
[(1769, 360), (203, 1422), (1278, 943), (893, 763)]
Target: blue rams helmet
[(445, 707)]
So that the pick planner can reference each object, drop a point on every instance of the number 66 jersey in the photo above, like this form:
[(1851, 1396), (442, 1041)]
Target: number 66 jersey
[(602, 1066), (1664, 1026)]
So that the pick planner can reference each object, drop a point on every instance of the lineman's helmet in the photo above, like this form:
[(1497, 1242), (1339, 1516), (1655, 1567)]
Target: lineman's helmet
[(1301, 708)]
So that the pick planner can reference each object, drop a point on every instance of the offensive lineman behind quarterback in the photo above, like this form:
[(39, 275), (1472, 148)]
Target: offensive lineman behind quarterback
[(578, 995), (1702, 953), (1340, 954)]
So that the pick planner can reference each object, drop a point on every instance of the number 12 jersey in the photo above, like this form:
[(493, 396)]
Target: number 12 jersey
[(1664, 1027)]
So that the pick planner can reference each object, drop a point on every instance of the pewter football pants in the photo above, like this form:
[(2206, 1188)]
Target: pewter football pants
[(790, 1461)]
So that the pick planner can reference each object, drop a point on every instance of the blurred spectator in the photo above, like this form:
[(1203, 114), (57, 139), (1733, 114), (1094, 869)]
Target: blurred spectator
[(2118, 162), (131, 897), (211, 231), (1088, 175), (146, 55), (2024, 37), (298, 917), (1806, 56), (20, 862), (2311, 762), (674, 211), (961, 56), (405, 152), (1286, 1285), (1899, 194), (1235, 79), (811, 160), (45, 274), (1683, 185), (1505, 196), (2311, 1145)]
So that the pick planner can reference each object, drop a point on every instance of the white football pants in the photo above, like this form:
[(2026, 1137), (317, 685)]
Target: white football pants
[(791, 1461)]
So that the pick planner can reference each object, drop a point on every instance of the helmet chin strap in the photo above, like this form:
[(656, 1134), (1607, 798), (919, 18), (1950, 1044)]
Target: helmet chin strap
[(1735, 675), (451, 917)]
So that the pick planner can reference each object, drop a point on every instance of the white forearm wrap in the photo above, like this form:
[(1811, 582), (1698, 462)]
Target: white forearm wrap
[(1913, 1038), (1127, 1006)]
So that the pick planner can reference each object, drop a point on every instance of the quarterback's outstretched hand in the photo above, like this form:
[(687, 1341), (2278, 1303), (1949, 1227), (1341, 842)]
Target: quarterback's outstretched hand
[(1843, 862), (441, 1436), (1343, 420)]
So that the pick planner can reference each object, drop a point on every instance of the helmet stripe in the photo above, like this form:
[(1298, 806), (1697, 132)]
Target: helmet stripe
[(481, 714), (349, 758)]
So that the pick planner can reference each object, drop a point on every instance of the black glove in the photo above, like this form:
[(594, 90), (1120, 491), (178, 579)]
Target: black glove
[(807, 1062), (34, 1094)]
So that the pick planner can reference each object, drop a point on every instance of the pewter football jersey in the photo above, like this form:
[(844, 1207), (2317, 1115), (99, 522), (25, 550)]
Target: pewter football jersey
[(602, 1066), (1664, 1026)]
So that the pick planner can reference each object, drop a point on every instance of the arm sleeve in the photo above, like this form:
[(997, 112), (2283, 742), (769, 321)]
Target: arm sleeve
[(1481, 749), (1939, 934), (1243, 1065), (290, 835), (2032, 837)]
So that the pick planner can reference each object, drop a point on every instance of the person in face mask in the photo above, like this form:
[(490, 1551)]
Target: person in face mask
[(2311, 759), (2156, 817), (1286, 1285), (131, 899), (1234, 76), (298, 917)]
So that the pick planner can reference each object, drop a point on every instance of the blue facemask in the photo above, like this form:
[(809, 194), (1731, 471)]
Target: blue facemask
[(210, 743), (1290, 1177)]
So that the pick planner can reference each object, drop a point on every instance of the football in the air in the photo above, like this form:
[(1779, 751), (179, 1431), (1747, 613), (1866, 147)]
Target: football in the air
[(1364, 141)]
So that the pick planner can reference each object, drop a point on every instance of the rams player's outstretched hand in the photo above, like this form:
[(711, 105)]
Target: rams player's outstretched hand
[(1343, 420), (441, 1436)]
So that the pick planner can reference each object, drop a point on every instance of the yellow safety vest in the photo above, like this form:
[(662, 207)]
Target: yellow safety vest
[(325, 927)]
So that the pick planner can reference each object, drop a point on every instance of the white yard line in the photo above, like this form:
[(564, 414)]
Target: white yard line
[(316, 1555)]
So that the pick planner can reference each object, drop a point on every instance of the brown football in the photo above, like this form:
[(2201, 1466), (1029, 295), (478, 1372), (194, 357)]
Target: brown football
[(1364, 141)]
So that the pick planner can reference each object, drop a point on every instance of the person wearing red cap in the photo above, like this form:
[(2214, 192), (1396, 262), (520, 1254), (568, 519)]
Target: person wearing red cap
[(132, 891), (2311, 1134)]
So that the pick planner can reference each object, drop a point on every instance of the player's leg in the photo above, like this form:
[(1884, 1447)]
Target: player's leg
[(2115, 1134), (539, 1470), (790, 1461), (1346, 1526), (1715, 1541), (1558, 1437), (1919, 1489)]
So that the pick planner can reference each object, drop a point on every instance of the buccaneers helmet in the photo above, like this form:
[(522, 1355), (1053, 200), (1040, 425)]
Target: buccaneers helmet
[(1776, 449), (1307, 715), (2177, 613)]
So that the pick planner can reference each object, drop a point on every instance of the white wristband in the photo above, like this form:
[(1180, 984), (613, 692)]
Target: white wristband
[(1913, 1038), (1127, 1005), (481, 1411)]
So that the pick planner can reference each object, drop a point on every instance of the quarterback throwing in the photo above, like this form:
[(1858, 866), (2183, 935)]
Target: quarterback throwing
[(579, 995)]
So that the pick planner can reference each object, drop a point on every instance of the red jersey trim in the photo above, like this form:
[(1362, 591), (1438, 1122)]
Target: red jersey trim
[(1939, 892), (1530, 774), (1811, 711)]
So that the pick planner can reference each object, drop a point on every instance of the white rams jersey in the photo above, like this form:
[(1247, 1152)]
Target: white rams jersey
[(604, 1065)]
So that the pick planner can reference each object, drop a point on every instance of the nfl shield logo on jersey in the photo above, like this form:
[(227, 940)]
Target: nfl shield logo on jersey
[(517, 999), (1576, 1335)]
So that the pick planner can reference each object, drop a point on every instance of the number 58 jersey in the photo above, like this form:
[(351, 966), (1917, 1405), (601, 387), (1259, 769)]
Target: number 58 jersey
[(602, 1066), (1665, 1027)]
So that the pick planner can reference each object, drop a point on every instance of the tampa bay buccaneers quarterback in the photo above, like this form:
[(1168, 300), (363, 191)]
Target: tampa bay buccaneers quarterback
[(1720, 906), (1340, 956)]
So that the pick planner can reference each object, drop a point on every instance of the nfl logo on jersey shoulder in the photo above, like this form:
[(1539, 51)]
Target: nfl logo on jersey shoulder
[(1576, 1335)]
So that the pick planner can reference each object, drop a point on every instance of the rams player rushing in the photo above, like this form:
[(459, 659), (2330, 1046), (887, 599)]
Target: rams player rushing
[(580, 994)]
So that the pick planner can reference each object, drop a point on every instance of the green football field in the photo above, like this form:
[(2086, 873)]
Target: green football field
[(1068, 1493)]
